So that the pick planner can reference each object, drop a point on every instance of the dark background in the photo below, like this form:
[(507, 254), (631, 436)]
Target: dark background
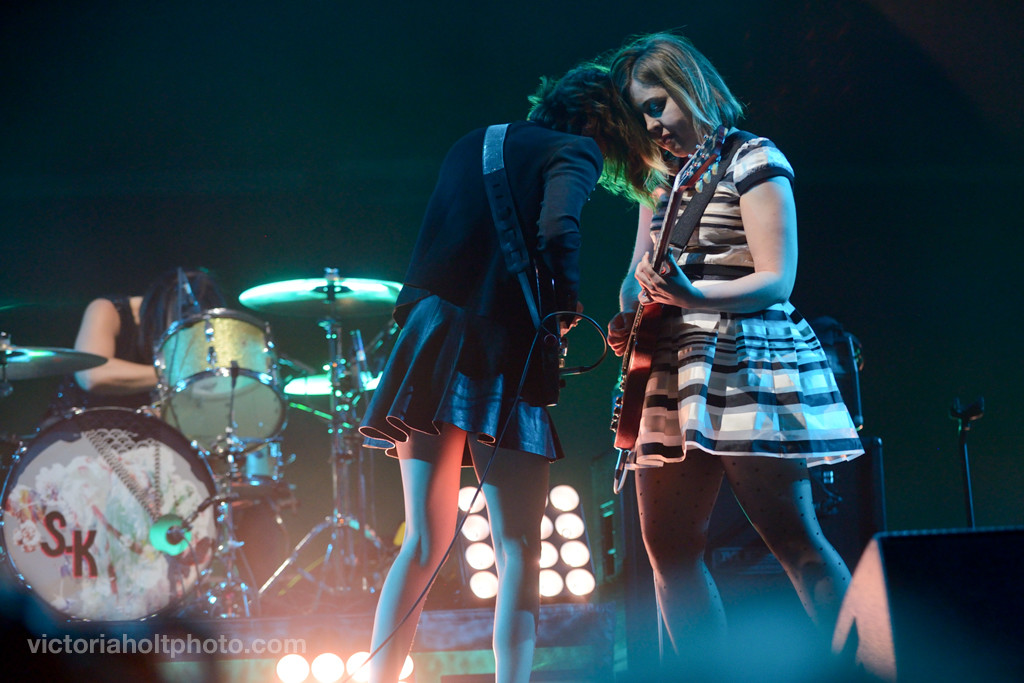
[(267, 141)]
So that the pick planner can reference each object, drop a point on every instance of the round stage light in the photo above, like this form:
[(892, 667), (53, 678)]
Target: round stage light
[(356, 667), (548, 555), (466, 494), (574, 553), (551, 583), (406, 668), (484, 585), (292, 669), (569, 525), (480, 556), (580, 582), (327, 668), (547, 527), (476, 528), (564, 497)]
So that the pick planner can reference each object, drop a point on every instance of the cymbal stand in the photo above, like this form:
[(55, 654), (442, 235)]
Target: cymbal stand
[(345, 563)]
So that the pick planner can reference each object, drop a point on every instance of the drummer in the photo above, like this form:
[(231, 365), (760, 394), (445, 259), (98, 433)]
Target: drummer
[(125, 329)]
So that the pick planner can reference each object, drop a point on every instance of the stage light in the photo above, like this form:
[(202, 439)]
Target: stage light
[(580, 582), (547, 527), (484, 585), (564, 498), (292, 669), (356, 668), (548, 555), (406, 669), (551, 583), (569, 525), (480, 556), (327, 668), (466, 494), (574, 553), (476, 528), (564, 549)]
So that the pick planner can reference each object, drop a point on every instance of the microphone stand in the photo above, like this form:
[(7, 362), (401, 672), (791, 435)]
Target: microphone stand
[(965, 416)]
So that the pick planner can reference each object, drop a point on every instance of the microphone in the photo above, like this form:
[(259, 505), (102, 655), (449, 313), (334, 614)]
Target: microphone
[(170, 535)]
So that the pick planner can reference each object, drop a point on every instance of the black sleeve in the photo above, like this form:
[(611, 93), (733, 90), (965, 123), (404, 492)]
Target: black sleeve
[(569, 179)]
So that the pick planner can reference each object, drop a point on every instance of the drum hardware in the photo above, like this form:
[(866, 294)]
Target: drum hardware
[(24, 362), (230, 596), (345, 568)]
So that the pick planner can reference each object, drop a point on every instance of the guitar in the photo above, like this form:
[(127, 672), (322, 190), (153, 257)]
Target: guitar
[(639, 354)]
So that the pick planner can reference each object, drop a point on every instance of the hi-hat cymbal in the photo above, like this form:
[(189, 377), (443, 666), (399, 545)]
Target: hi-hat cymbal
[(335, 298), (31, 362), (320, 385)]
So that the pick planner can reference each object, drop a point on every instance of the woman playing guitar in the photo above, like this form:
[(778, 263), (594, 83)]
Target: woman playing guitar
[(736, 385)]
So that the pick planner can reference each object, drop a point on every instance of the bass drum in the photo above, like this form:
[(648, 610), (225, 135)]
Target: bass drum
[(79, 503)]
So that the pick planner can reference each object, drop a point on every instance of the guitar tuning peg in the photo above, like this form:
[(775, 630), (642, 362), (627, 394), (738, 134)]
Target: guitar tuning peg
[(714, 168), (699, 187)]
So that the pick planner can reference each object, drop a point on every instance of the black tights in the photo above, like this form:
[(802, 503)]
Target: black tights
[(675, 504)]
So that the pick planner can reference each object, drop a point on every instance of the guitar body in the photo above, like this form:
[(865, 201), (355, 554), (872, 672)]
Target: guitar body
[(636, 369), (636, 361)]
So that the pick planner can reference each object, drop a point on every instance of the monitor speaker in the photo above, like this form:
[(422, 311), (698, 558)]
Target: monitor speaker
[(937, 606)]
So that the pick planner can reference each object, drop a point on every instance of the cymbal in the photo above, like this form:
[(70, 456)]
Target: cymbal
[(343, 297), (31, 362), (320, 385)]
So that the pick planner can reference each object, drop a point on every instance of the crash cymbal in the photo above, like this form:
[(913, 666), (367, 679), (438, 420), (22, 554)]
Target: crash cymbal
[(334, 298), (31, 362)]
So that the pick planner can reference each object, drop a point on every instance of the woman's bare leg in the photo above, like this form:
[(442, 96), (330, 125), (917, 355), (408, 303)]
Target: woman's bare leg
[(430, 484), (515, 488)]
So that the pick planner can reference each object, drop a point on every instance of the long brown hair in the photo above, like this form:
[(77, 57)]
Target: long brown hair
[(585, 102)]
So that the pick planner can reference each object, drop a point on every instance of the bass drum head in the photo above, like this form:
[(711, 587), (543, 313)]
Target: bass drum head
[(78, 505)]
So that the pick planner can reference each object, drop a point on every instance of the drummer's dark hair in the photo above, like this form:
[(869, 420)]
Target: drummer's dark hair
[(160, 310)]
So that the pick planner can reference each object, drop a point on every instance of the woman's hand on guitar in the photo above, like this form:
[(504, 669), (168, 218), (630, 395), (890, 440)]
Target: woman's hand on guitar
[(618, 331), (669, 287)]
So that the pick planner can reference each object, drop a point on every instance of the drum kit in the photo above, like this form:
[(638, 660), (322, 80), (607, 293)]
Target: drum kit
[(123, 514)]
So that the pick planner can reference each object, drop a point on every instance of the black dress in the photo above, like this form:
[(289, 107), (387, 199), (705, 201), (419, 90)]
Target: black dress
[(466, 330)]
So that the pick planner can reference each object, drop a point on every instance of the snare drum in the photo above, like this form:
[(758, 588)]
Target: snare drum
[(214, 365), (78, 505)]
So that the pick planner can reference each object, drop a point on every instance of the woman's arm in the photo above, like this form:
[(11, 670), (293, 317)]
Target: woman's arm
[(768, 211), (98, 334)]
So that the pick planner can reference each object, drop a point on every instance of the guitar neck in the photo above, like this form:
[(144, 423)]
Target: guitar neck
[(698, 166)]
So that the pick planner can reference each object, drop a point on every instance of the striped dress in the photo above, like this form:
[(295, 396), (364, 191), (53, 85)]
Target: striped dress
[(739, 384)]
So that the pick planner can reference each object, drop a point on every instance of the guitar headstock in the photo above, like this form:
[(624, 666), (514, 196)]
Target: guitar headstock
[(703, 163)]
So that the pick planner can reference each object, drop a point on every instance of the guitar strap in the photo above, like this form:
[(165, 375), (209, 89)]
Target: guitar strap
[(684, 226), (503, 211)]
